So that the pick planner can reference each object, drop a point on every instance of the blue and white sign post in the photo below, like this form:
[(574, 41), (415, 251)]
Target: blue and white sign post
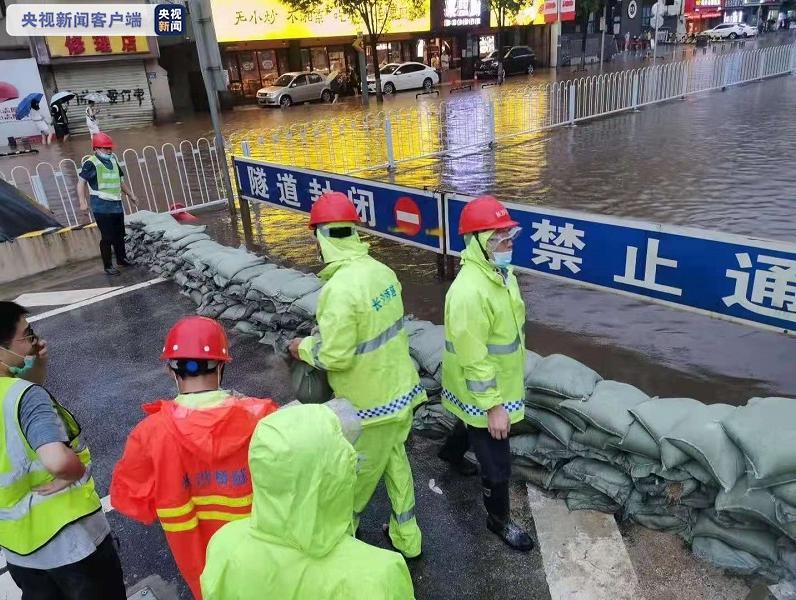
[(738, 278), (406, 215)]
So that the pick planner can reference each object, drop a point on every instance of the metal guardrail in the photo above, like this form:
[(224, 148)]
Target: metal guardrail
[(188, 173)]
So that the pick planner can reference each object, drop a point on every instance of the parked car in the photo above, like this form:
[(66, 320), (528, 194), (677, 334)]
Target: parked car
[(404, 76), (730, 31), (516, 60), (292, 88)]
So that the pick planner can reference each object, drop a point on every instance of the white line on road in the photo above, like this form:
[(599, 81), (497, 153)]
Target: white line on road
[(82, 303), (583, 553), (59, 298)]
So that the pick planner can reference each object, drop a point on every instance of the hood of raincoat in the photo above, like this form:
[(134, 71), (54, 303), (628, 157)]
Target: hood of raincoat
[(337, 250), (213, 433), (472, 254), (303, 474)]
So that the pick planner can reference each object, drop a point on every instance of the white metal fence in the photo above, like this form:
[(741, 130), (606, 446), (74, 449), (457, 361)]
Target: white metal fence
[(188, 174), (467, 124)]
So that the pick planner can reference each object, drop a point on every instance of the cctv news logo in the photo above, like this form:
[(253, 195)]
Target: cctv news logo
[(96, 19)]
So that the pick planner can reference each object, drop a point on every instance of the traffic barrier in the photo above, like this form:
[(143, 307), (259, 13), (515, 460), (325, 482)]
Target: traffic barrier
[(670, 464)]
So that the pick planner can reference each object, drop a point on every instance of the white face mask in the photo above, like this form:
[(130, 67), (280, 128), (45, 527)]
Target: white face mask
[(104, 154), (502, 259)]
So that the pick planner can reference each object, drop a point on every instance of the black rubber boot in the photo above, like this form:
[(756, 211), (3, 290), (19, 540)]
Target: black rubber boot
[(498, 521)]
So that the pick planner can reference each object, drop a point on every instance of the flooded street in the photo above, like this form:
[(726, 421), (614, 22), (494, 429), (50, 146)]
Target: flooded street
[(719, 161)]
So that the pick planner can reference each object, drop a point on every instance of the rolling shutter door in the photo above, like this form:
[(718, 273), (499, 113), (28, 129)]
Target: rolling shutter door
[(122, 79)]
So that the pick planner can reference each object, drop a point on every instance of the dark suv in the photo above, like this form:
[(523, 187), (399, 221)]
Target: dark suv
[(516, 59)]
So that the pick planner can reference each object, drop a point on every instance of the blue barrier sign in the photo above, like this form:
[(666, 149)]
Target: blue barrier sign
[(731, 277), (406, 215)]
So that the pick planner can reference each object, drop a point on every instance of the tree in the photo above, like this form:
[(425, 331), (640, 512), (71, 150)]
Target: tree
[(505, 11), (584, 8), (374, 15)]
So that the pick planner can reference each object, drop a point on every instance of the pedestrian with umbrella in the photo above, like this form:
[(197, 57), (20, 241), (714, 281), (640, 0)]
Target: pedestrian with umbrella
[(92, 111), (29, 108), (58, 106)]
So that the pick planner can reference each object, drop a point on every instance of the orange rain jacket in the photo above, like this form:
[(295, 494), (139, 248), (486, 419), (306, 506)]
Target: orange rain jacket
[(189, 468)]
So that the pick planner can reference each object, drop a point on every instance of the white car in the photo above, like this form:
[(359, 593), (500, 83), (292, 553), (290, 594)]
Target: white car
[(730, 31), (404, 76)]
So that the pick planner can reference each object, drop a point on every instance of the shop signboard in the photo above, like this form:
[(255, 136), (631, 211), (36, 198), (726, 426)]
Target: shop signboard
[(737, 278), (403, 214), (461, 13), (555, 10), (18, 78), (249, 20), (78, 46)]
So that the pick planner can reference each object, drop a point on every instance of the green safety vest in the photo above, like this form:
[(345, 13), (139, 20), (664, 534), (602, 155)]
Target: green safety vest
[(361, 342), (109, 182), (29, 520), (484, 359)]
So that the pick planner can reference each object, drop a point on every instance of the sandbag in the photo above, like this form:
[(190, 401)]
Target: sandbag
[(759, 542), (188, 240), (307, 305), (658, 416), (551, 402), (427, 346), (310, 385), (247, 274), (758, 503), (563, 376), (724, 556), (179, 232), (785, 492), (765, 432), (594, 438), (271, 282), (532, 473), (433, 421), (248, 328), (602, 477), (608, 407), (298, 288), (531, 361), (539, 448), (550, 423), (702, 437), (638, 441), (234, 313), (590, 499)]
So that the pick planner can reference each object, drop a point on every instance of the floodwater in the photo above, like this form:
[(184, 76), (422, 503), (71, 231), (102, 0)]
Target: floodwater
[(721, 161)]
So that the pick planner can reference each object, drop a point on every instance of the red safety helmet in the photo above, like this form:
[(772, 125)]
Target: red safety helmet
[(198, 338), (101, 140), (484, 214), (333, 207)]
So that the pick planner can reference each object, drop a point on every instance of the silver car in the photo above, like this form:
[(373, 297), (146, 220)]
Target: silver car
[(292, 88)]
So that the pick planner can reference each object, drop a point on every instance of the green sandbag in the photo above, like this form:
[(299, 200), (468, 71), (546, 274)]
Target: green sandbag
[(702, 437), (659, 416), (550, 423), (595, 438), (560, 481), (724, 556), (760, 542), (601, 476), (639, 442), (785, 492), (310, 385), (531, 361), (743, 502), (590, 500), (608, 407), (433, 421), (532, 473), (563, 376), (765, 432), (552, 403)]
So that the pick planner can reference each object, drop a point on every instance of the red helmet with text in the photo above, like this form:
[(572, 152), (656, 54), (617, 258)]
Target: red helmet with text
[(101, 140), (485, 214), (199, 338), (333, 207)]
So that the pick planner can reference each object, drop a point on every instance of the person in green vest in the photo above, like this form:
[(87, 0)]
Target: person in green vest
[(363, 347), (296, 544), (53, 532), (101, 178), (483, 365)]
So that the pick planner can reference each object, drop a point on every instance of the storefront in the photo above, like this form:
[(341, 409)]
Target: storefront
[(751, 13), (114, 66), (262, 39), (702, 14)]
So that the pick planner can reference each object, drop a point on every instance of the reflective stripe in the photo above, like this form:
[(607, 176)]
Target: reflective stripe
[(391, 407), (504, 348), (106, 196), (316, 350), (404, 516), (31, 499), (15, 444), (179, 511), (381, 339), (191, 523), (480, 386), (474, 411), (217, 515), (495, 349)]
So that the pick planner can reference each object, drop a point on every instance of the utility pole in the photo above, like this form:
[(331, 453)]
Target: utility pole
[(198, 22), (363, 68), (658, 18), (602, 36)]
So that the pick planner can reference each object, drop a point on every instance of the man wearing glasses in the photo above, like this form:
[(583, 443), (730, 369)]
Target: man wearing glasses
[(53, 531)]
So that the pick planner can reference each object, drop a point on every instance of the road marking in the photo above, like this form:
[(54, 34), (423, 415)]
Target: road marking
[(60, 298), (583, 554), (82, 303)]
